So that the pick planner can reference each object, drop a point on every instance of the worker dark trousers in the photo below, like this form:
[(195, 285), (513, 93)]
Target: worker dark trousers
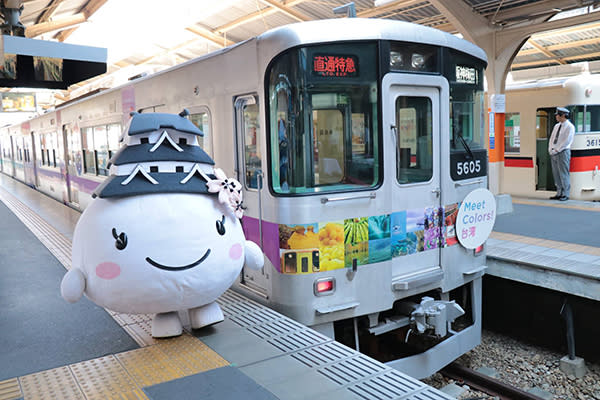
[(560, 170)]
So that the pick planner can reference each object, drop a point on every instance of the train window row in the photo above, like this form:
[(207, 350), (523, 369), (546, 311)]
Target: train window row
[(46, 145), (586, 119)]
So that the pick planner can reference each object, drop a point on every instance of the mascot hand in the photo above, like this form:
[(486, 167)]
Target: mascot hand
[(254, 257), (72, 285)]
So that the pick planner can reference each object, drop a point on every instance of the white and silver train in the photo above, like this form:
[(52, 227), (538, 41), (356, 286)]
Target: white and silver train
[(530, 110), (355, 141)]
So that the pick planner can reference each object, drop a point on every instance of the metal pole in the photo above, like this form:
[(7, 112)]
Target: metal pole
[(567, 313)]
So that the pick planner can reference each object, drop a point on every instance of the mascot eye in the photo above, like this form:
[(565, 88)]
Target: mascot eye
[(221, 226), (121, 239)]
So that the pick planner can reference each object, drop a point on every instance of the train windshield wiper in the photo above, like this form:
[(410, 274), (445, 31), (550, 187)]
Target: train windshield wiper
[(466, 146)]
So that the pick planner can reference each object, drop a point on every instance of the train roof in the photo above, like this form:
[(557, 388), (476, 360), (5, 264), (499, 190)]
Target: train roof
[(331, 30)]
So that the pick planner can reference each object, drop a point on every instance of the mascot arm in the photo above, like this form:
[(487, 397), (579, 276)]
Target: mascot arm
[(254, 257), (72, 285)]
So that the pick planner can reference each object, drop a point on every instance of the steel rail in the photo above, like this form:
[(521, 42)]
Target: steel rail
[(486, 384)]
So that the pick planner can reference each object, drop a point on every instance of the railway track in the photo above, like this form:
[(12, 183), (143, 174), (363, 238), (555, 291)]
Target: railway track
[(486, 384)]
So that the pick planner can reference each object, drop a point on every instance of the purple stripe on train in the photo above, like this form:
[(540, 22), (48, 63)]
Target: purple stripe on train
[(270, 234)]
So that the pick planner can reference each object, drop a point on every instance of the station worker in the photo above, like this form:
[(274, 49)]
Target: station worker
[(559, 147)]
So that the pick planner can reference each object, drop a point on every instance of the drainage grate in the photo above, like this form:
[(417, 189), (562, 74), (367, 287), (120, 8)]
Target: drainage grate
[(351, 370), (430, 394), (390, 385), (298, 340), (255, 318), (326, 353), (235, 304)]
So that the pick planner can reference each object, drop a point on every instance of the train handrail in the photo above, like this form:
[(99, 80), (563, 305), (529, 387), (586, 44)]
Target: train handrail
[(458, 184), (326, 200)]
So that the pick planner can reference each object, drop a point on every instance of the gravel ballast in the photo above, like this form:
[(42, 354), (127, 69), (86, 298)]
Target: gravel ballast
[(527, 367)]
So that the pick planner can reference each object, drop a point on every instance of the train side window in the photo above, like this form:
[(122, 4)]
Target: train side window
[(114, 131), (202, 119), (414, 151), (592, 118), (89, 159), (101, 148), (249, 130), (512, 133)]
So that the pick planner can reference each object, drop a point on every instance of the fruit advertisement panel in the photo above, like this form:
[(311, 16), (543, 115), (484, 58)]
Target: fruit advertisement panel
[(299, 248), (331, 245), (356, 241)]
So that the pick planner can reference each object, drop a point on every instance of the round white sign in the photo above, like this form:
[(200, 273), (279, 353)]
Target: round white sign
[(476, 217)]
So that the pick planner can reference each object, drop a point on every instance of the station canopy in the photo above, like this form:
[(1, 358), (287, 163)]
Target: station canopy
[(145, 36)]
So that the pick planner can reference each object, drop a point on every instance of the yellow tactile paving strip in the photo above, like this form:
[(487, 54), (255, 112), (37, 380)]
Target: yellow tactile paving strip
[(10, 389), (572, 204), (118, 376), (551, 244), (54, 384)]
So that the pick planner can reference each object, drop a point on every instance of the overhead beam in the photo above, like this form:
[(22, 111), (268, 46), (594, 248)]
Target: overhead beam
[(536, 9), (214, 38), (569, 29), (56, 24), (49, 11), (372, 12), (560, 46), (544, 51), (88, 10), (254, 16), (540, 63), (286, 10), (515, 34)]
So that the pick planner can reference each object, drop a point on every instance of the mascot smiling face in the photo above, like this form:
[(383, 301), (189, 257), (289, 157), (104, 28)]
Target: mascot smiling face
[(159, 252)]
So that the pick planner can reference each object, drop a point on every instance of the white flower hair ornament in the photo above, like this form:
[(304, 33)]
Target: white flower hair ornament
[(229, 190)]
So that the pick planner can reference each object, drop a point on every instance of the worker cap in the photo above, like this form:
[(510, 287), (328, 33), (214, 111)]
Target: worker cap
[(562, 111)]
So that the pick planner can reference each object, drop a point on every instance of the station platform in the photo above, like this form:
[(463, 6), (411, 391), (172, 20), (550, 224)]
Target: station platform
[(550, 244), (54, 350)]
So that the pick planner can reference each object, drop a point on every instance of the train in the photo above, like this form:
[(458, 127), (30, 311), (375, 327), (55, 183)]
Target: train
[(529, 119), (355, 141)]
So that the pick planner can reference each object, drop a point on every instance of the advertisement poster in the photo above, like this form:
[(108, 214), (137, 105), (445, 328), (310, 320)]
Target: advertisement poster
[(356, 241), (476, 217), (379, 238)]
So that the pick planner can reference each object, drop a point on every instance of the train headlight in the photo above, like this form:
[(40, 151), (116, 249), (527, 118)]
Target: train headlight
[(396, 60), (324, 286), (417, 61)]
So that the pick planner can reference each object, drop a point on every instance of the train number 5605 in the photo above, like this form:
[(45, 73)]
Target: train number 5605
[(468, 167)]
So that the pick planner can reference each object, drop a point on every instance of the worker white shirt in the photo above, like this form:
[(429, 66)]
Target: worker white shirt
[(565, 137)]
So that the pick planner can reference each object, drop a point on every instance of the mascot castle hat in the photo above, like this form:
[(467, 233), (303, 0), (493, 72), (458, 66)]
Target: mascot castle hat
[(161, 155)]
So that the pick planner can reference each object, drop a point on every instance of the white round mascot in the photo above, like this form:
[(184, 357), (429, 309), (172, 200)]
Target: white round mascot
[(162, 234)]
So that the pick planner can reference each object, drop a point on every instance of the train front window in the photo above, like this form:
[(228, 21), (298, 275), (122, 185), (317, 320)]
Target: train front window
[(323, 133), (466, 118), (414, 151)]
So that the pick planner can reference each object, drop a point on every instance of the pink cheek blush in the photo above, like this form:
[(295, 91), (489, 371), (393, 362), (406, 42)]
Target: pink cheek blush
[(235, 251), (108, 270)]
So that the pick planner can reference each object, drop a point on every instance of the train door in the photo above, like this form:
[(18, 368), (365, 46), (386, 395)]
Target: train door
[(544, 123), (71, 146), (13, 157), (249, 173), (413, 114)]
